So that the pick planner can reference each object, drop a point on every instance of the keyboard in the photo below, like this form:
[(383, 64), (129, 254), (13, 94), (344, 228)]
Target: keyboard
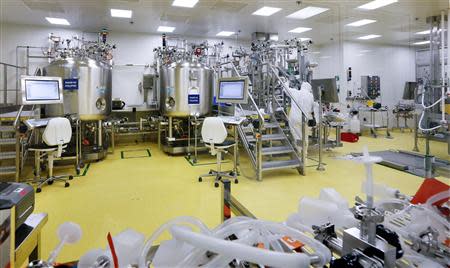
[(36, 123)]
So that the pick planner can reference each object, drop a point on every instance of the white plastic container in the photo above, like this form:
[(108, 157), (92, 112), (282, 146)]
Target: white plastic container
[(128, 244), (315, 211), (331, 195), (355, 125)]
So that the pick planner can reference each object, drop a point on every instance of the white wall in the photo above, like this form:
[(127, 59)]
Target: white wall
[(394, 64)]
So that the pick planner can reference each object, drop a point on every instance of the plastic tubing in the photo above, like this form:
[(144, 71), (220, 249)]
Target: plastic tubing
[(193, 258), (276, 228), (162, 228), (438, 197), (321, 250), (239, 251), (294, 221), (423, 113)]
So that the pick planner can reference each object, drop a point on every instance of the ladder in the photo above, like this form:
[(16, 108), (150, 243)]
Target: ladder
[(11, 141)]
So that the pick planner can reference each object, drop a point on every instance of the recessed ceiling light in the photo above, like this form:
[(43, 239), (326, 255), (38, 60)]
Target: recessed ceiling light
[(325, 57), (121, 13), (365, 51), (166, 29), (370, 36), (315, 52), (304, 39), (422, 43), (184, 3), (377, 4), (225, 33), (266, 11), (361, 23), (307, 12), (300, 30), (58, 21)]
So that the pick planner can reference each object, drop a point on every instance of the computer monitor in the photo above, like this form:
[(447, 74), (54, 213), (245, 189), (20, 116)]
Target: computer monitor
[(41, 90), (232, 90), (329, 93)]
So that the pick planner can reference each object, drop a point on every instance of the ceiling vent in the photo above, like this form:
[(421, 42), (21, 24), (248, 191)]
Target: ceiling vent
[(174, 18), (228, 6), (44, 5)]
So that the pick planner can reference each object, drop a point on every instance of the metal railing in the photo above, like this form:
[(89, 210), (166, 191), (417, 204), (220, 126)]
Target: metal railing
[(16, 126), (304, 118), (6, 88), (257, 154)]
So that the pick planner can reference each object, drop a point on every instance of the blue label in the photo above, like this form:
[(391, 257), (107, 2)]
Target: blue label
[(194, 99), (70, 84)]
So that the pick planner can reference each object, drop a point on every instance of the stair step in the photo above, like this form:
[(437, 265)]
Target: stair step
[(7, 141), (7, 170), (7, 129), (7, 155), (277, 150), (282, 164), (271, 125), (268, 137)]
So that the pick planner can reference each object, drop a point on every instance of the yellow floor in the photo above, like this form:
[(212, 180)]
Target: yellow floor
[(143, 193)]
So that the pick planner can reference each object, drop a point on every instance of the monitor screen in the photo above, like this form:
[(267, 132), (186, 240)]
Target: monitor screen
[(329, 90), (232, 90), (42, 90)]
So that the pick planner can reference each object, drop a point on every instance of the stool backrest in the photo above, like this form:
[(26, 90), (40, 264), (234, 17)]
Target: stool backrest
[(57, 132), (213, 130)]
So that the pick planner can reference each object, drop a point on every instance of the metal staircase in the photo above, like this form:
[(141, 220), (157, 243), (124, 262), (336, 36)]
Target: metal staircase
[(10, 141), (267, 138)]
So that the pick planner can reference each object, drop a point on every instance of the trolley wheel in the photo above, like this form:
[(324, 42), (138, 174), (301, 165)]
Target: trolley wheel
[(200, 179), (66, 184), (38, 190), (70, 177), (236, 181), (216, 184), (50, 182)]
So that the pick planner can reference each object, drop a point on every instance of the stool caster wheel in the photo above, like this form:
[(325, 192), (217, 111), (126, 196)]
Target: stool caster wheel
[(38, 190), (232, 173), (236, 181), (216, 184), (50, 182), (78, 171), (66, 184), (200, 179), (70, 177)]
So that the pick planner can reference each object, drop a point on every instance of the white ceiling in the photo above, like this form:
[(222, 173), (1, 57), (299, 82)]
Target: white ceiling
[(397, 23)]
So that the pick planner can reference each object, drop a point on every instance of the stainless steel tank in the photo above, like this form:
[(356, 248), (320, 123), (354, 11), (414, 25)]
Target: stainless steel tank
[(91, 100), (186, 89)]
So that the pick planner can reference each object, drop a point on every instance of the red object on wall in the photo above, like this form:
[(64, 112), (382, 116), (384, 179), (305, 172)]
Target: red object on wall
[(349, 137)]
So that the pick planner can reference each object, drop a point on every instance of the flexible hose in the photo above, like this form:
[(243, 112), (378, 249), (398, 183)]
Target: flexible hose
[(239, 251), (179, 220)]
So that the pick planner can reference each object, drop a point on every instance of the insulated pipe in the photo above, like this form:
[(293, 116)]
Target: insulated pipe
[(239, 251), (448, 52), (443, 66)]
